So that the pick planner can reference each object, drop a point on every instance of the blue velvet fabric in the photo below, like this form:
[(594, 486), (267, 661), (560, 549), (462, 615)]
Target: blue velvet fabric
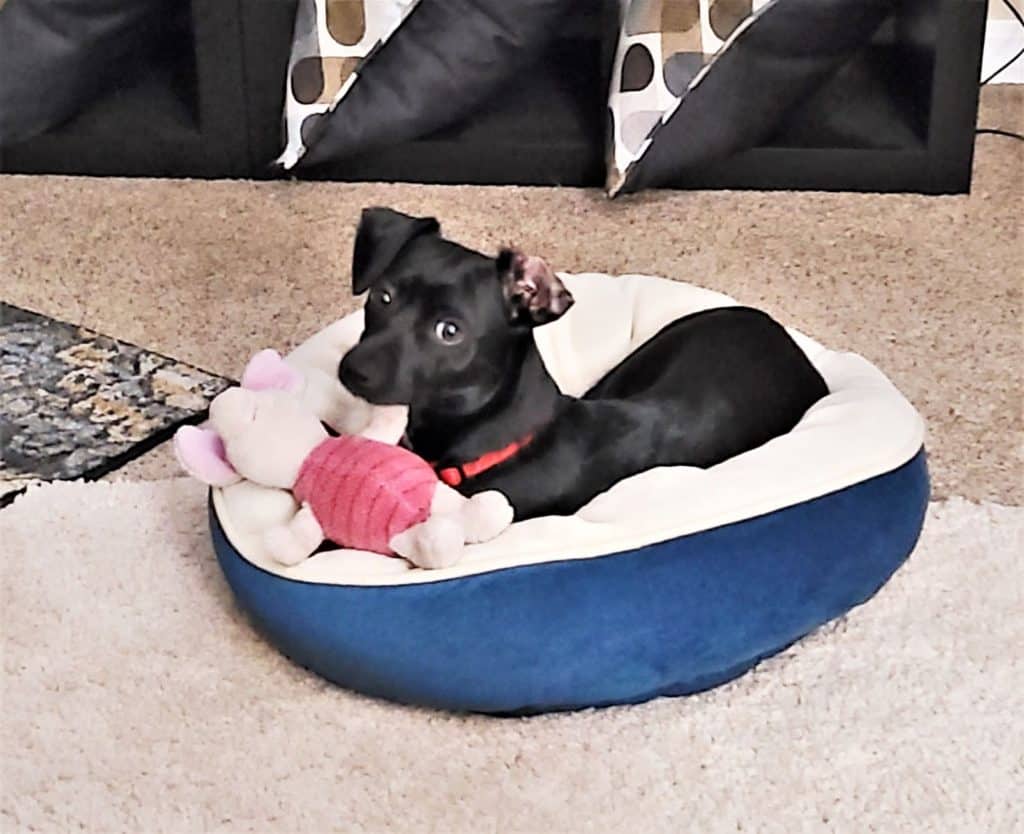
[(669, 619)]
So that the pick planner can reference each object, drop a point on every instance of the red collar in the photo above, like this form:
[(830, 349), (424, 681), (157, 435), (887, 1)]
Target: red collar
[(455, 475)]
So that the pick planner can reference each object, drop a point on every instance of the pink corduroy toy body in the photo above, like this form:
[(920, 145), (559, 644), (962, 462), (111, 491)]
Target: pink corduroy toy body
[(356, 491), (364, 493)]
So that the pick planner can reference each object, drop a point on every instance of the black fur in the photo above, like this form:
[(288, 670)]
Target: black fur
[(449, 332)]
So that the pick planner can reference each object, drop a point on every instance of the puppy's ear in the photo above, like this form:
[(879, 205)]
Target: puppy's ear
[(382, 234), (533, 293)]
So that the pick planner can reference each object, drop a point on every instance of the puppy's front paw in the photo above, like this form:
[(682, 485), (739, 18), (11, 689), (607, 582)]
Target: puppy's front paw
[(486, 515)]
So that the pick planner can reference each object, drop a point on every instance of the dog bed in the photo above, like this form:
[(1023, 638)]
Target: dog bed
[(675, 580)]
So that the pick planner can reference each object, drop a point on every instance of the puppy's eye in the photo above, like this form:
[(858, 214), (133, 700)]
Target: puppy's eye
[(448, 332), (384, 297)]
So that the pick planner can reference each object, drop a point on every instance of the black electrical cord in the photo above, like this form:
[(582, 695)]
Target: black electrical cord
[(994, 131)]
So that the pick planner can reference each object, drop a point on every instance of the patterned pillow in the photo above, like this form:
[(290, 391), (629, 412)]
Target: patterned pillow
[(421, 65), (332, 39), (664, 48), (695, 81)]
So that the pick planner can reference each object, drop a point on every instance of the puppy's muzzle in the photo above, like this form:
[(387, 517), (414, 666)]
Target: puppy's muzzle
[(355, 377)]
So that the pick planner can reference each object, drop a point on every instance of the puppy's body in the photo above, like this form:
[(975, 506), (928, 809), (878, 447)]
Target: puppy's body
[(665, 404), (449, 332)]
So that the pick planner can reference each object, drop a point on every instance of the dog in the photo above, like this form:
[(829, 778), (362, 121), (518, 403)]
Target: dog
[(448, 333)]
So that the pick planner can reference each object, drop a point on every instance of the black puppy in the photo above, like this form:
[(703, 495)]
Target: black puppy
[(448, 333)]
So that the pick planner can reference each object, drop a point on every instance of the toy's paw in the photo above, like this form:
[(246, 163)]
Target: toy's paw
[(285, 546), (387, 424), (338, 407), (486, 515), (282, 547), (436, 543), (307, 529)]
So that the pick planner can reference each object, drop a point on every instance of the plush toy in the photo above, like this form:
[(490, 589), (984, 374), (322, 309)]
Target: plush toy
[(358, 491), (201, 451), (355, 491)]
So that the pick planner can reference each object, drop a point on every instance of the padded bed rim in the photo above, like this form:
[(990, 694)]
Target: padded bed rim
[(217, 525)]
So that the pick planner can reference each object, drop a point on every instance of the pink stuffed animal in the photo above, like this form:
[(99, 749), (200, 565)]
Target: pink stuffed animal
[(356, 491)]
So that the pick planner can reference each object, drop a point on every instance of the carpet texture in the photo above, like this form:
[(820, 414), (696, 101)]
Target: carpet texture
[(74, 403), (927, 288), (137, 698)]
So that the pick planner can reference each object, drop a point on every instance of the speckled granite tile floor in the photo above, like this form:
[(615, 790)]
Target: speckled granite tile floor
[(929, 288)]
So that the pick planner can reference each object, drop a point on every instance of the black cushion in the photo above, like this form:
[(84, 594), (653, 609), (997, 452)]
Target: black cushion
[(56, 56), (444, 62), (788, 52)]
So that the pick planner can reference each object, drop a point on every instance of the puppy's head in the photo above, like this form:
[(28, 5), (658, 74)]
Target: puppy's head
[(443, 323)]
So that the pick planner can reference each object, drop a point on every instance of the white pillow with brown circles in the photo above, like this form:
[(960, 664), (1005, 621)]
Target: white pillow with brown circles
[(664, 50), (332, 38)]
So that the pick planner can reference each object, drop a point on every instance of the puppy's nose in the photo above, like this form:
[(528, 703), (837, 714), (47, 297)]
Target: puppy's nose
[(353, 377)]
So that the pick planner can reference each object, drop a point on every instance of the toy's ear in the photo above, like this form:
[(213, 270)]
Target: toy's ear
[(382, 234), (268, 371), (201, 453), (533, 293)]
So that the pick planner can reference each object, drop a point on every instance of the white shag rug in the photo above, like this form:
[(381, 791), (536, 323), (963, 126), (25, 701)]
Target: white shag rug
[(136, 698)]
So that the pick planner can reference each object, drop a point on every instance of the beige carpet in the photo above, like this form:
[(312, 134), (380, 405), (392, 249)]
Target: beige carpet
[(137, 699), (927, 288)]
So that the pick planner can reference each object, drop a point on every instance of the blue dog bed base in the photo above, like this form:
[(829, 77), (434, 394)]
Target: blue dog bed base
[(667, 619), (672, 582)]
